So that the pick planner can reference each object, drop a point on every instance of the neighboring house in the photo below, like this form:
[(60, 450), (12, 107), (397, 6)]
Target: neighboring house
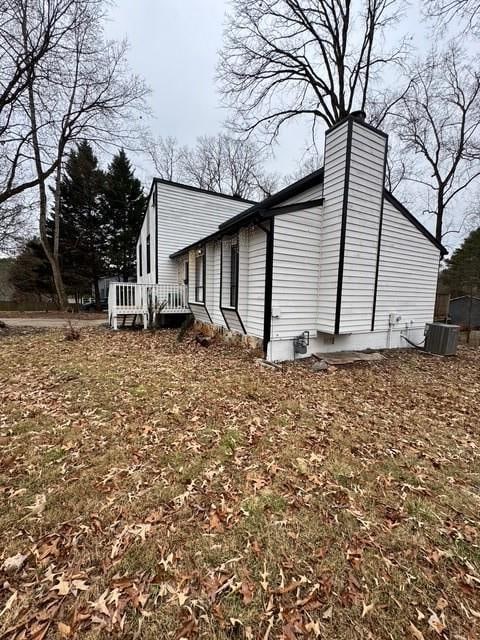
[(332, 262), (465, 311)]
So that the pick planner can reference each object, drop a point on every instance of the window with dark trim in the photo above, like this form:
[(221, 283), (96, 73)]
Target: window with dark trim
[(185, 273), (200, 277), (148, 254), (234, 275), (140, 260)]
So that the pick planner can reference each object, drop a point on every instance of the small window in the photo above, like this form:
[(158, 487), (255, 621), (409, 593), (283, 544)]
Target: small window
[(234, 275), (148, 254), (185, 273), (140, 260), (200, 277)]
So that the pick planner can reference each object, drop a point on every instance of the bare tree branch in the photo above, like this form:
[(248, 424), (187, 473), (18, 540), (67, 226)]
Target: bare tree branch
[(318, 58)]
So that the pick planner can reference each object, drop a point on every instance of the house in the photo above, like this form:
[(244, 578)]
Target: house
[(332, 262), (465, 311)]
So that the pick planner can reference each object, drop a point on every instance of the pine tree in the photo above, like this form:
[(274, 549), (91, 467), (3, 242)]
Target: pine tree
[(123, 204), (462, 274), (83, 234)]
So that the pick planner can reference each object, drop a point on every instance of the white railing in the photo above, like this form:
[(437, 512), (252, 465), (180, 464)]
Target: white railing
[(127, 298)]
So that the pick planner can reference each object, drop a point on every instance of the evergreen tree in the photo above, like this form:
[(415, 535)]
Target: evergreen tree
[(462, 274), (30, 274), (123, 204), (83, 233)]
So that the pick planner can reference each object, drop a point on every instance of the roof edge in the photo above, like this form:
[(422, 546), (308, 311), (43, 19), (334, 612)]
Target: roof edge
[(189, 187), (409, 216)]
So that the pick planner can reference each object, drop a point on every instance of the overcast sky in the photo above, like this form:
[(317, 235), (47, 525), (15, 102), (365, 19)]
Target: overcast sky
[(174, 45)]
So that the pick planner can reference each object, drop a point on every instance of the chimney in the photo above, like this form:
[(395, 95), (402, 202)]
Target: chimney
[(354, 178)]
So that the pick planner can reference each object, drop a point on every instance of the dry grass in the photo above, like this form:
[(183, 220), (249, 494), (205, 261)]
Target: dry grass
[(185, 492)]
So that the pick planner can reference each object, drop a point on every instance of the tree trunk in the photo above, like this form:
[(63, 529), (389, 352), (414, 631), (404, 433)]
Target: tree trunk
[(440, 210)]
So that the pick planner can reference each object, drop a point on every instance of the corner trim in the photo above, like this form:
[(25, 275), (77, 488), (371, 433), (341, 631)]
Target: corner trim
[(267, 302), (343, 232), (379, 241)]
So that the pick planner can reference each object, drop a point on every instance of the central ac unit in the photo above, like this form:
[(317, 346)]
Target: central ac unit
[(442, 338)]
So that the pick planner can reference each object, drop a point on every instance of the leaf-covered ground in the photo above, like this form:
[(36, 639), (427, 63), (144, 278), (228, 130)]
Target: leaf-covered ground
[(150, 489)]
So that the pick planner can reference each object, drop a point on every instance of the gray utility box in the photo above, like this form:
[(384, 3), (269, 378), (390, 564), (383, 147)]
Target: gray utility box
[(442, 338)]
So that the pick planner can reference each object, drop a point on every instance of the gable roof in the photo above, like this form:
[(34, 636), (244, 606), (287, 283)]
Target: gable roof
[(189, 187), (265, 209)]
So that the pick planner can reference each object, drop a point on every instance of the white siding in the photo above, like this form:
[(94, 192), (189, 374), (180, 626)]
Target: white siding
[(314, 193), (256, 282), (408, 272), (365, 192), (148, 227), (185, 216), (214, 309), (232, 318), (333, 192), (296, 262)]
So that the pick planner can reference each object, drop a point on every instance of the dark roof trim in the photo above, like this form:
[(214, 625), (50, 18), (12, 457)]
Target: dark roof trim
[(256, 217), (190, 187), (464, 297), (398, 205), (288, 192)]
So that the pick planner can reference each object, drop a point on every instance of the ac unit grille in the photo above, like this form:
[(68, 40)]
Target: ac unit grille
[(442, 338)]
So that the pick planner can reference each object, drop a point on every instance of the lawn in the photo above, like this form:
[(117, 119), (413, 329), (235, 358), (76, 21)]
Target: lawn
[(151, 489)]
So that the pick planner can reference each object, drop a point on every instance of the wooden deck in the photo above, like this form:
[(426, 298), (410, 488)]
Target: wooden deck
[(133, 299)]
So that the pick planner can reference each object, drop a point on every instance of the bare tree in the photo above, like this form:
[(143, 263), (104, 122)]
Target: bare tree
[(219, 163), (14, 224), (465, 11), (166, 155), (285, 58), (80, 89), (438, 121), (48, 22)]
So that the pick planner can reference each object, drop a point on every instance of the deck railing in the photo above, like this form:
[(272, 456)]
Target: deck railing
[(129, 298)]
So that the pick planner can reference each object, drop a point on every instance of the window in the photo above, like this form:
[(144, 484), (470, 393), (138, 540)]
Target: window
[(200, 277), (185, 273), (140, 260), (234, 275), (148, 254)]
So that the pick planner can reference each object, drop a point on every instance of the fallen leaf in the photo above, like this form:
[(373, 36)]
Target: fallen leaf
[(327, 614), (436, 624), (9, 603), (62, 587), (64, 630), (367, 608), (248, 591), (14, 563), (416, 632), (441, 604)]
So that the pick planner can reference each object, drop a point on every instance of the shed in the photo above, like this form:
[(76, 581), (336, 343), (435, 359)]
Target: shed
[(465, 311)]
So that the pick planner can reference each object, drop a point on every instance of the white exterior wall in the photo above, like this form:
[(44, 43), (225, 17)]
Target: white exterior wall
[(257, 249), (333, 191), (279, 350), (184, 216), (296, 264), (364, 203), (408, 272), (148, 227)]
